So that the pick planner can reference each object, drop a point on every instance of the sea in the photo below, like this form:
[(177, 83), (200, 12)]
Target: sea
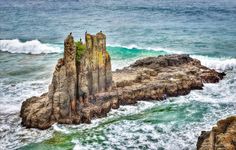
[(32, 33)]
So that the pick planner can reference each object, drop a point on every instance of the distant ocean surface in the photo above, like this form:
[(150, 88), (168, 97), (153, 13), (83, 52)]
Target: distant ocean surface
[(31, 42)]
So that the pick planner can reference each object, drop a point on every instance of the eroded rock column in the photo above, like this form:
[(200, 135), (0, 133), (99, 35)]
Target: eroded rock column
[(94, 67), (62, 91)]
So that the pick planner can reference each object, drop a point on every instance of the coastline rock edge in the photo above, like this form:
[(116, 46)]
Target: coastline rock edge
[(221, 137)]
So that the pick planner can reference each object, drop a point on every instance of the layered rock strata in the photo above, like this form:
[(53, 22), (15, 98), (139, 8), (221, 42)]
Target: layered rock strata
[(221, 137), (84, 87)]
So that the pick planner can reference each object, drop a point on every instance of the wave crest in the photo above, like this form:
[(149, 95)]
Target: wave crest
[(28, 47), (220, 64), (133, 46)]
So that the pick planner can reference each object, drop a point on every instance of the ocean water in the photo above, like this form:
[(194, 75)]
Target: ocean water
[(31, 42)]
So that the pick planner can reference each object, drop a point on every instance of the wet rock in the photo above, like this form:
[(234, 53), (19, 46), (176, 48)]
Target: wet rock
[(36, 112)]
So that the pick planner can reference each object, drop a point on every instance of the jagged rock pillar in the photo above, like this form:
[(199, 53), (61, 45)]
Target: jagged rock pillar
[(62, 91), (95, 67), (71, 73)]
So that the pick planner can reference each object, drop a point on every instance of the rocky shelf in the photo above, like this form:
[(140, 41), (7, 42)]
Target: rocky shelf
[(84, 87), (221, 137)]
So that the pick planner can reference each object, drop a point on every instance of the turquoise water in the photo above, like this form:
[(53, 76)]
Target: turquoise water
[(31, 41)]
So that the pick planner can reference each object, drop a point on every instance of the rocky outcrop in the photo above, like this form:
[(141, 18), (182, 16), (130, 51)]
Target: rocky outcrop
[(84, 87), (221, 137), (155, 78), (84, 71)]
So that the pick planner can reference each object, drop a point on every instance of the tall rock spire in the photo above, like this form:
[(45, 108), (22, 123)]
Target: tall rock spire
[(95, 66), (62, 91), (84, 71), (71, 73)]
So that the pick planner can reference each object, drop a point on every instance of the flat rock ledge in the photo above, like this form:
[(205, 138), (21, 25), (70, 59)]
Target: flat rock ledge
[(221, 137), (84, 87)]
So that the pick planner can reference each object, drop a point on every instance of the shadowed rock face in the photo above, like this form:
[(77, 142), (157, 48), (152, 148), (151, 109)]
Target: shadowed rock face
[(221, 137), (83, 86)]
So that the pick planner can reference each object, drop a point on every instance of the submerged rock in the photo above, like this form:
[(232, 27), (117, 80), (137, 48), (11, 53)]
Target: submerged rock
[(221, 137), (84, 87)]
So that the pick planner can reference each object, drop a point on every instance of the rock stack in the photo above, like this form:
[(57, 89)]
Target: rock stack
[(84, 87), (76, 79)]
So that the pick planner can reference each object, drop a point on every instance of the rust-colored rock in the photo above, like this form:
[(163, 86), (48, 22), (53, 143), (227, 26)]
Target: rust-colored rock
[(84, 87), (221, 137)]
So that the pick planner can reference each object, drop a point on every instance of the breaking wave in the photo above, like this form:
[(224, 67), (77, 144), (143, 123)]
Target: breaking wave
[(134, 46), (220, 64), (28, 47)]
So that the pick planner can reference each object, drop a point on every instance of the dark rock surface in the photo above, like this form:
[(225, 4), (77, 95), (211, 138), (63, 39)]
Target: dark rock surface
[(84, 87)]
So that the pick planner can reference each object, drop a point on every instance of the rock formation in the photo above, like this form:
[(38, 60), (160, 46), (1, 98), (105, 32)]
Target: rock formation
[(155, 78), (221, 137), (84, 71), (84, 87)]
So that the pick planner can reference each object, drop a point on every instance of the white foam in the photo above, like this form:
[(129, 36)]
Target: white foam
[(29, 47), (16, 136), (14, 94), (60, 128), (132, 134), (132, 109), (122, 111), (221, 64)]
